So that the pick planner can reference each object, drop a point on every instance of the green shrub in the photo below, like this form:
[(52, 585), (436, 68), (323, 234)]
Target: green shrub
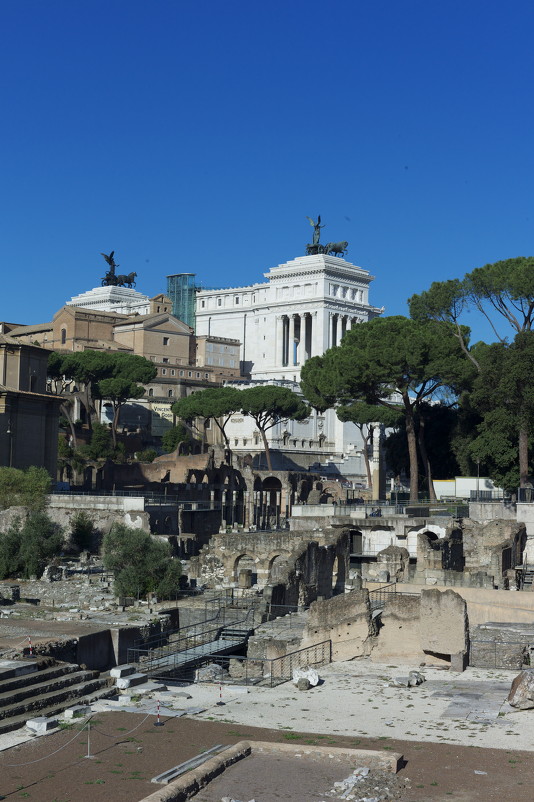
[(148, 455), (27, 547), (140, 564), (173, 437), (82, 531), (27, 488)]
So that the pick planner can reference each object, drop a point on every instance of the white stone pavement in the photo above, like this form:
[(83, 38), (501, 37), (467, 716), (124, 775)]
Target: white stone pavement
[(354, 699)]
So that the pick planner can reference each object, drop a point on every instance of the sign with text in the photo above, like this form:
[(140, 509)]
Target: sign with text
[(161, 418)]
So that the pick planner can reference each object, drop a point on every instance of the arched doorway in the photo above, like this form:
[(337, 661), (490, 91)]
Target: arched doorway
[(272, 500), (246, 563)]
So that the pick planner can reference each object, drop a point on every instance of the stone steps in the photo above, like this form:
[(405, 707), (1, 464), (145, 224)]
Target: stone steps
[(36, 677), (48, 685), (47, 691), (87, 697)]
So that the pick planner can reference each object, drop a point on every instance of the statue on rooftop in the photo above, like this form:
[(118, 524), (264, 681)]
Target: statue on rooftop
[(316, 229), (331, 248), (110, 279)]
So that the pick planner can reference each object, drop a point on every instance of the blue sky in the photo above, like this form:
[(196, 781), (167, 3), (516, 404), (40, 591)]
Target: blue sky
[(197, 136)]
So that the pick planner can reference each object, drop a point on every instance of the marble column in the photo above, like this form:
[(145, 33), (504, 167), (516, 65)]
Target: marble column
[(331, 342), (307, 338), (291, 342), (317, 336), (278, 340)]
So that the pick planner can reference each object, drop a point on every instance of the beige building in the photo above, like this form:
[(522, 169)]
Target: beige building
[(220, 354), (28, 414), (184, 362)]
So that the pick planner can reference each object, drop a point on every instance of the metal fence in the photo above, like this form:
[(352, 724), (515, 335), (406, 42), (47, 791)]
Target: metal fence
[(149, 496), (238, 670), (379, 597), (511, 655)]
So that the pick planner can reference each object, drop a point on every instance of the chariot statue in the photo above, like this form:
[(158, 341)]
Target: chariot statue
[(112, 280), (315, 247)]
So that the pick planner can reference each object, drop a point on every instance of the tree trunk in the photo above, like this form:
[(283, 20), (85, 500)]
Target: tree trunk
[(426, 461), (65, 411), (225, 437), (266, 446), (412, 450), (85, 397), (115, 423), (523, 455)]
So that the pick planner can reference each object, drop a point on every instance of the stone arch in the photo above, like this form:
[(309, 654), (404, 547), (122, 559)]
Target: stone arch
[(275, 563), (272, 496), (245, 562), (338, 575)]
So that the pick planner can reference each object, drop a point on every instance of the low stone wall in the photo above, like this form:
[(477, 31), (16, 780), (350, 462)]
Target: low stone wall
[(443, 622), (499, 645), (192, 782), (103, 510), (399, 636), (484, 605), (346, 621)]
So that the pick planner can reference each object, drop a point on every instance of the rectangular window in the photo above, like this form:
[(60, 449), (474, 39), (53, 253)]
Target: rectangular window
[(165, 341), (165, 360), (173, 372), (182, 373), (189, 373)]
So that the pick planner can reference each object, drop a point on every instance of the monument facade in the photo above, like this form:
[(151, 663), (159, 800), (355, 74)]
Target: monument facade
[(305, 307)]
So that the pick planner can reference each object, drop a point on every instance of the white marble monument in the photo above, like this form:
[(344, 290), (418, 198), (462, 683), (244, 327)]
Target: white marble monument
[(122, 300)]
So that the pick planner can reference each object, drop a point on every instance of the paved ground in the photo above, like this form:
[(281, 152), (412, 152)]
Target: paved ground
[(456, 743), (354, 697)]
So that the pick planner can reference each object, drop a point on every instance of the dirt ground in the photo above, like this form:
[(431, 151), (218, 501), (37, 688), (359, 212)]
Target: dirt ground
[(128, 750)]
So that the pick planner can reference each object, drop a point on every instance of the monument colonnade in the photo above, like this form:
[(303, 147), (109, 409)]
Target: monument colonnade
[(299, 337)]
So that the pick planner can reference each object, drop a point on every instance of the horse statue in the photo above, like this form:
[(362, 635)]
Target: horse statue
[(126, 280), (337, 248)]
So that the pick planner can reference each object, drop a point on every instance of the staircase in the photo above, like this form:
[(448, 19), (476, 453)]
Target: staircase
[(45, 688), (235, 634)]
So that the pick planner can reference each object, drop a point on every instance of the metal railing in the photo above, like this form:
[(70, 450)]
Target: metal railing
[(166, 659), (148, 495), (383, 509), (512, 655), (379, 597), (267, 672)]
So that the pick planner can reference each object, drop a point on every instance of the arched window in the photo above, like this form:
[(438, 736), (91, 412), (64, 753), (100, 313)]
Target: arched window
[(63, 336), (151, 392), (169, 393)]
